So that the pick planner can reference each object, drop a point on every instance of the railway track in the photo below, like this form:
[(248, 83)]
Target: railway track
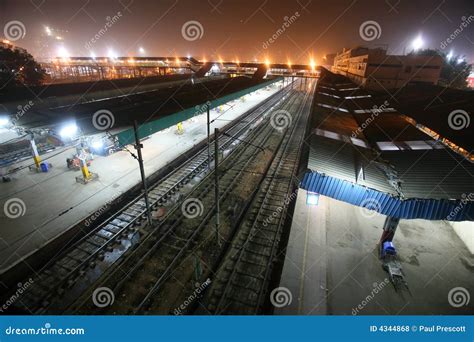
[(57, 284), (240, 286), (152, 263)]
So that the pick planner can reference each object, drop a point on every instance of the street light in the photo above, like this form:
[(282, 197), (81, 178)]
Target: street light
[(141, 50), (449, 55), (68, 131), (4, 121)]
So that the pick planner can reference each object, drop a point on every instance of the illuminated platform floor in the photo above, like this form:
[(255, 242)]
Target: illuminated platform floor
[(332, 266), (55, 201)]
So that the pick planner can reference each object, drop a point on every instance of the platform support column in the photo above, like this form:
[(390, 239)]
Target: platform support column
[(216, 179), (36, 156), (84, 169), (389, 229), (138, 147)]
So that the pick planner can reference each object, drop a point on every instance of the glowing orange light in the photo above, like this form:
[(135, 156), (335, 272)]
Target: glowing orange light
[(267, 62)]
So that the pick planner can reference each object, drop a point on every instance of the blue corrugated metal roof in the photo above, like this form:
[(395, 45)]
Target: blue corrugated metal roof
[(386, 204)]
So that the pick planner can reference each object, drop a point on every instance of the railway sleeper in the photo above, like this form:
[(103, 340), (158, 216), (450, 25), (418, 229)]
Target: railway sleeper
[(263, 239), (259, 248), (246, 281), (240, 301), (254, 259)]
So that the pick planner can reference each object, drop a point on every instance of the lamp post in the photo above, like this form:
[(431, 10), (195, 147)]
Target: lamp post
[(208, 136), (216, 179), (138, 147)]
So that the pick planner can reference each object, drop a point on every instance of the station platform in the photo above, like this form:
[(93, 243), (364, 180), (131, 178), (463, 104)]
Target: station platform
[(332, 266), (55, 202)]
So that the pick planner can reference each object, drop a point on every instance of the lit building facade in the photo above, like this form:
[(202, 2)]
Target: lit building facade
[(374, 69)]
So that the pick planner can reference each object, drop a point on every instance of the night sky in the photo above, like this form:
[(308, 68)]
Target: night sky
[(237, 29)]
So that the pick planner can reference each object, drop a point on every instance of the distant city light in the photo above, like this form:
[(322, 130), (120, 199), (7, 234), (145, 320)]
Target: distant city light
[(93, 55), (48, 31), (141, 50), (112, 54), (68, 131), (417, 43), (267, 62), (460, 60)]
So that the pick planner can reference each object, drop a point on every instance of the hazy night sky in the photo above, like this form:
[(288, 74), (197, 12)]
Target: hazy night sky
[(234, 28)]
